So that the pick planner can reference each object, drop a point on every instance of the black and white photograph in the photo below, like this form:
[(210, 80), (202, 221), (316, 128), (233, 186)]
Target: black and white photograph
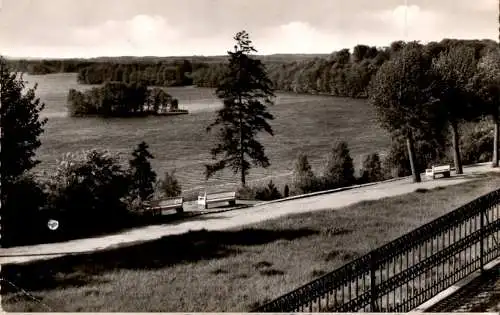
[(266, 156)]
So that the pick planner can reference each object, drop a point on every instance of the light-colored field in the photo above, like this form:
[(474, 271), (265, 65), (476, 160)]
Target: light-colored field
[(240, 267), (303, 123)]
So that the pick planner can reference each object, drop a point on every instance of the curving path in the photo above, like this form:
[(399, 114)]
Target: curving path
[(236, 218)]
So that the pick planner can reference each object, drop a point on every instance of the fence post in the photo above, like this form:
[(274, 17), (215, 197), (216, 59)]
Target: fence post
[(481, 244), (373, 283)]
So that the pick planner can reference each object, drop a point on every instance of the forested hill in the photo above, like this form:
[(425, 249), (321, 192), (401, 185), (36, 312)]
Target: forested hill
[(341, 73), (45, 66)]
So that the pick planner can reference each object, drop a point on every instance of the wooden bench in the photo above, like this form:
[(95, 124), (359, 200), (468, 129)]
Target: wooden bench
[(162, 206), (206, 199), (443, 169)]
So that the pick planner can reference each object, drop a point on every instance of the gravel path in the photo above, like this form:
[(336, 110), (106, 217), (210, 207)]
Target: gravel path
[(235, 218)]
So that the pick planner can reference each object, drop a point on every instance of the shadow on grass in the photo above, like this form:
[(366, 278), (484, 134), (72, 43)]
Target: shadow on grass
[(85, 269), (464, 176), (421, 190), (271, 272), (127, 224)]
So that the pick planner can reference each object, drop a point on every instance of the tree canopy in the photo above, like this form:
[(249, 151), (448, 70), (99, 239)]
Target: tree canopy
[(246, 93), (402, 96), (454, 68), (21, 125), (120, 99)]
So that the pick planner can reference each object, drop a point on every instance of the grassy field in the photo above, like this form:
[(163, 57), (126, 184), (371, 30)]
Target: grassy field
[(233, 270), (303, 123)]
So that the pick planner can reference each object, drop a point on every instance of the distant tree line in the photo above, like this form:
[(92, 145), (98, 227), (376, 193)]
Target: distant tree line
[(158, 74), (118, 99), (73, 65), (342, 73)]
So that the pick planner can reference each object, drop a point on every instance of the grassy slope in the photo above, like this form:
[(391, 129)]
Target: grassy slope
[(229, 270)]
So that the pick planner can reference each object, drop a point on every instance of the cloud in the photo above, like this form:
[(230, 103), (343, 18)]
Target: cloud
[(409, 22), (296, 37), (197, 27), (372, 28), (481, 5), (142, 34)]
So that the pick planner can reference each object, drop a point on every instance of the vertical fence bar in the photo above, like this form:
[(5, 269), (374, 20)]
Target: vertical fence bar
[(373, 283), (481, 243)]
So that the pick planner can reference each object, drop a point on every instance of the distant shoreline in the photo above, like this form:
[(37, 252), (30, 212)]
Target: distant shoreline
[(133, 115)]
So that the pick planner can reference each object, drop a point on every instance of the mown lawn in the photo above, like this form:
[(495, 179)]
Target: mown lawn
[(233, 270)]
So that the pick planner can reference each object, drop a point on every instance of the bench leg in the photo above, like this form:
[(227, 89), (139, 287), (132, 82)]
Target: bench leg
[(206, 206), (447, 174), (179, 210), (232, 202)]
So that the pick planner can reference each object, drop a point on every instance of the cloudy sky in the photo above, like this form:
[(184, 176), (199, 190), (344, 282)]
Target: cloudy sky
[(86, 28)]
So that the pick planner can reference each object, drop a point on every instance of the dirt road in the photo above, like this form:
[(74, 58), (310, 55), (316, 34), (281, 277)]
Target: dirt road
[(232, 219)]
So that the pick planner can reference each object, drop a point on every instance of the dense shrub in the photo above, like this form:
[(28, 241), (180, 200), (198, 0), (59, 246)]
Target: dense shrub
[(339, 169), (286, 191), (22, 205), (304, 180), (270, 192), (265, 193), (476, 143), (371, 170), (430, 150), (88, 190), (169, 186)]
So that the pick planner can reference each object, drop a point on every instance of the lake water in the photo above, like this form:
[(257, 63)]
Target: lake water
[(305, 123)]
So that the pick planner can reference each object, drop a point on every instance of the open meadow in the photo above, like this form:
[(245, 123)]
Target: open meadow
[(231, 270), (305, 123)]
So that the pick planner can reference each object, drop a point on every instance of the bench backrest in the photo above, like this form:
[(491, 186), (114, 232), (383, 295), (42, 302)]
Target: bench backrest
[(219, 195), (441, 168), (222, 195), (167, 202)]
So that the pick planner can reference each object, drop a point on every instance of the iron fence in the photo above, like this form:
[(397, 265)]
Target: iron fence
[(408, 271)]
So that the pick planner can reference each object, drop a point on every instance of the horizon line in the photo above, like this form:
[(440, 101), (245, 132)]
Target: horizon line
[(256, 54)]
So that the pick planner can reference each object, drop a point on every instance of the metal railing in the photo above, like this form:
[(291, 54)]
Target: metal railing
[(408, 271)]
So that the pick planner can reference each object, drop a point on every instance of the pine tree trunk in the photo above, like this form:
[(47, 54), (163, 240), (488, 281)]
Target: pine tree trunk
[(456, 148), (411, 153), (242, 152), (496, 136)]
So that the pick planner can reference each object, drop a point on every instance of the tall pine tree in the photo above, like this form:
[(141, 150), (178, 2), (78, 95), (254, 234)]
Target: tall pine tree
[(246, 93), (142, 175)]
